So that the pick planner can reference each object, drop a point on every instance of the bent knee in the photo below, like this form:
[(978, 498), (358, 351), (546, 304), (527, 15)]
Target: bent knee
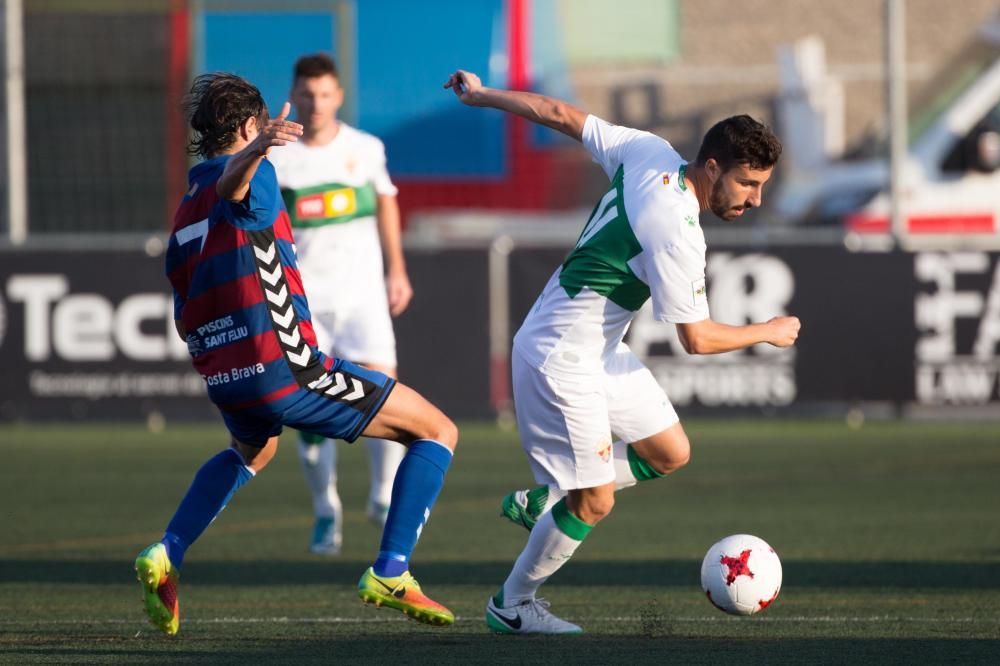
[(592, 508), (444, 431), (673, 463), (671, 459), (256, 457)]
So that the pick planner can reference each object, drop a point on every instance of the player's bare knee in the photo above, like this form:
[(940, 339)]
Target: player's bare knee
[(256, 457), (673, 461), (671, 455), (450, 435), (596, 509), (592, 506), (441, 429)]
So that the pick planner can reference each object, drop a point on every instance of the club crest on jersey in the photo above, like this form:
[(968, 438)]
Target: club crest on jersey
[(604, 450), (666, 178)]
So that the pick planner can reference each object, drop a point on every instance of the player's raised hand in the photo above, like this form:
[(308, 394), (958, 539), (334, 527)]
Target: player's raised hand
[(277, 132), (784, 331), (467, 87)]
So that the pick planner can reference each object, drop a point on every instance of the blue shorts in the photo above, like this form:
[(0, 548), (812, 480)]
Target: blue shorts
[(340, 407)]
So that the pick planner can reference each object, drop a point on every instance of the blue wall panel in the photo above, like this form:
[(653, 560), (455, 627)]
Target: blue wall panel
[(263, 47), (406, 50), (404, 53)]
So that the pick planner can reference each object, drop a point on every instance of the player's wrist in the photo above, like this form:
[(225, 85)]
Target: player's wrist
[(484, 96), (398, 274)]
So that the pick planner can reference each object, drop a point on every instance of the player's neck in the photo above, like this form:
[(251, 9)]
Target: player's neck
[(698, 182), (321, 136)]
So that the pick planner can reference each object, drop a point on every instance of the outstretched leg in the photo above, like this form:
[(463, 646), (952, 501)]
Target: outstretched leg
[(430, 438), (554, 539), (158, 565)]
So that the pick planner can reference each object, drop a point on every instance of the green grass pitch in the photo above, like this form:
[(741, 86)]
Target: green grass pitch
[(889, 536)]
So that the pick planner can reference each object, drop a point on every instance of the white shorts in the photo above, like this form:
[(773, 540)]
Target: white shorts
[(361, 334), (567, 422)]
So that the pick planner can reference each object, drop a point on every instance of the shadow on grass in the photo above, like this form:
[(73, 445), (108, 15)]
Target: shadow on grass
[(668, 573), (370, 648)]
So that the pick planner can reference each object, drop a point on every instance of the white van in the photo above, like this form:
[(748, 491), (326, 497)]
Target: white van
[(951, 178)]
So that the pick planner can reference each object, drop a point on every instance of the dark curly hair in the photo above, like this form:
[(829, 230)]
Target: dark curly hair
[(216, 106), (740, 140)]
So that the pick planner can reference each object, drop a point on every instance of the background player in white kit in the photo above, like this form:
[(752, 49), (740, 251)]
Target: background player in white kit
[(344, 213), (576, 383)]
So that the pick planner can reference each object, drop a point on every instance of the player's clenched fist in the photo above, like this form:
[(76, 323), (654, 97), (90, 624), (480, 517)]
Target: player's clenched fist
[(784, 331), (466, 85)]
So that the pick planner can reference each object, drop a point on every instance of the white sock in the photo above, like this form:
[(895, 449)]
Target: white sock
[(384, 457), (319, 463), (548, 548), (624, 478)]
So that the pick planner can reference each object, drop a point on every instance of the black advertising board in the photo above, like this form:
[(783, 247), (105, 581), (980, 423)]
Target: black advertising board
[(90, 334), (902, 328)]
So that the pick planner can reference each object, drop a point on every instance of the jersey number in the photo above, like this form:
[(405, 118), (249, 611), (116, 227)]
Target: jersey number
[(196, 231)]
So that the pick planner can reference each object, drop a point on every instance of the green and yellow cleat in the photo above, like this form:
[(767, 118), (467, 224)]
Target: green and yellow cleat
[(403, 593), (159, 580)]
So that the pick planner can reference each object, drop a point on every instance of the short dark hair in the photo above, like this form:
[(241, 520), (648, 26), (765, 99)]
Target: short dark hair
[(314, 66), (740, 140), (216, 106)]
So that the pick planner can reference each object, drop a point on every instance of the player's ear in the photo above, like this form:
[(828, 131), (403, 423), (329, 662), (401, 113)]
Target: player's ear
[(338, 97), (713, 168), (247, 127)]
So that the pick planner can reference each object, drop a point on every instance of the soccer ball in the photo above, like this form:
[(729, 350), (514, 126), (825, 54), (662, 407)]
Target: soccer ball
[(741, 575)]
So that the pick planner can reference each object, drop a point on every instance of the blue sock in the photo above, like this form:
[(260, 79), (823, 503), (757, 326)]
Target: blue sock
[(417, 484), (213, 485)]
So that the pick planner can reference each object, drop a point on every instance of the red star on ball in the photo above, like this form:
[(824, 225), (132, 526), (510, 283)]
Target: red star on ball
[(737, 566)]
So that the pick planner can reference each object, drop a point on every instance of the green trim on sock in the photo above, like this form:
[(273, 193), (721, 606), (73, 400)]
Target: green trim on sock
[(311, 438), (498, 598), (569, 524), (641, 470)]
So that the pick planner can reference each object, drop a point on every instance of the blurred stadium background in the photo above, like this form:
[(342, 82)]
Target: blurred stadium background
[(900, 323)]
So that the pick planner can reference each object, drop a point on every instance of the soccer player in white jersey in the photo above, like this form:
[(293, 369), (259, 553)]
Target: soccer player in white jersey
[(575, 381), (344, 213)]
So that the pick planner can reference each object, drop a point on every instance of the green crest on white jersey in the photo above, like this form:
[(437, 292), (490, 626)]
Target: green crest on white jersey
[(600, 259)]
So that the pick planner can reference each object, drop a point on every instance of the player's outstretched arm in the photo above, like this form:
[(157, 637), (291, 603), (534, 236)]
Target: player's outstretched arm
[(711, 337), (235, 180), (540, 109)]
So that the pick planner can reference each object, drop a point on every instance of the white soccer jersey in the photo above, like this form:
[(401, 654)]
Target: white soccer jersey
[(643, 240), (331, 193)]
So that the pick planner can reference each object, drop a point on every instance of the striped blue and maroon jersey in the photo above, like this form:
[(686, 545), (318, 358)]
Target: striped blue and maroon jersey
[(238, 293)]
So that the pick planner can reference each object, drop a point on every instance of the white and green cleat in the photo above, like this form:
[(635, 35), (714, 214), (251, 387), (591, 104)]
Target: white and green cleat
[(528, 617), (525, 507)]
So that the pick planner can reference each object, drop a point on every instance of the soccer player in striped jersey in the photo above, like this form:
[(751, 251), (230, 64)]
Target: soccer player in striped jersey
[(343, 209), (240, 306), (575, 381)]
